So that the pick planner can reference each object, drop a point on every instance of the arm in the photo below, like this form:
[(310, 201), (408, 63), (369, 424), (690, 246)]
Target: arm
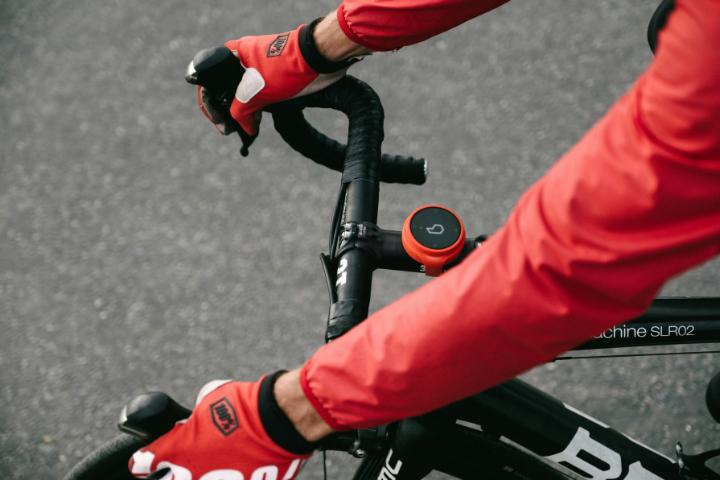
[(634, 203), (313, 56), (358, 27), (382, 25)]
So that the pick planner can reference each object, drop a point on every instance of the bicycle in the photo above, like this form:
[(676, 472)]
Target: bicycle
[(512, 431)]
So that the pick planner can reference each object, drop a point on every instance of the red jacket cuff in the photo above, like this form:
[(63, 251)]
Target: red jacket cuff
[(307, 390)]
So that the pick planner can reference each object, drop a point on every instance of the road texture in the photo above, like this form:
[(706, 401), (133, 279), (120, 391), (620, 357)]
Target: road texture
[(138, 251)]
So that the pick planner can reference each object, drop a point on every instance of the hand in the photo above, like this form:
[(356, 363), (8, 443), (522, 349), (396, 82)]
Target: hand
[(236, 431), (279, 67)]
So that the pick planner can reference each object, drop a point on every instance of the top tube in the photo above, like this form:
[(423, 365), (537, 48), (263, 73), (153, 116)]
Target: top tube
[(669, 321)]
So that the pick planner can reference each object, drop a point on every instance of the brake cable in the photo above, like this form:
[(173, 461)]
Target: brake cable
[(324, 462), (336, 219)]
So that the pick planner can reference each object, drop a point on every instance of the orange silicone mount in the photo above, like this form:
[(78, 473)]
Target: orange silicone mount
[(432, 259)]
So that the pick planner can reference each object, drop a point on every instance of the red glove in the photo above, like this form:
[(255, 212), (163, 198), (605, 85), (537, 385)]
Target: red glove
[(279, 67), (236, 432)]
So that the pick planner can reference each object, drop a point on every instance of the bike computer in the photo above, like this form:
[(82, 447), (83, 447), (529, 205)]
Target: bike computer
[(433, 235)]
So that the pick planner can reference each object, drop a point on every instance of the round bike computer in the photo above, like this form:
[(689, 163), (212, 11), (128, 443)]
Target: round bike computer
[(433, 235)]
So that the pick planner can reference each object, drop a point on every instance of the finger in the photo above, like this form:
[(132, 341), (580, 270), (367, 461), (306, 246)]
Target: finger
[(162, 474), (246, 117), (201, 104), (140, 464), (218, 116), (145, 460)]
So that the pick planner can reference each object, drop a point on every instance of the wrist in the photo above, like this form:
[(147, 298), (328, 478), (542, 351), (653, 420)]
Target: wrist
[(326, 48), (297, 408), (276, 422)]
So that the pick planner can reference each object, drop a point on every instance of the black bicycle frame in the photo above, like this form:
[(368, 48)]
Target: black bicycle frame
[(669, 321), (516, 431)]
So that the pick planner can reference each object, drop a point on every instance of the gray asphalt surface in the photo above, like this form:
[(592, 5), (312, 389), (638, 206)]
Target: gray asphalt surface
[(138, 251)]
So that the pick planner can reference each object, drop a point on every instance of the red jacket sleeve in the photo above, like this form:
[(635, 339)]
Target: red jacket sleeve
[(389, 24), (635, 202)]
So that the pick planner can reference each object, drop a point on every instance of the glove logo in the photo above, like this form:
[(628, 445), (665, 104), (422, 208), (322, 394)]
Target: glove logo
[(277, 45), (224, 416)]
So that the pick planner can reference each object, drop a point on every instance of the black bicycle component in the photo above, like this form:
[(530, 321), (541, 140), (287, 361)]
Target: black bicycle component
[(306, 140), (388, 250), (217, 70), (107, 462), (150, 415), (712, 397), (363, 236), (246, 140), (335, 223), (658, 21), (691, 466), (343, 316), (514, 431), (405, 455), (361, 183), (668, 321), (520, 414), (468, 452), (371, 467), (391, 254)]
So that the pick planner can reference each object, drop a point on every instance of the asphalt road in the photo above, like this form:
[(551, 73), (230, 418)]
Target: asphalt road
[(138, 250)]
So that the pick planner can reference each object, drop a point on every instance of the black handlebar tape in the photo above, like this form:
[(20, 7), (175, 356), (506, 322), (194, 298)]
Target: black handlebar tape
[(365, 130), (403, 169), (365, 133), (309, 142), (657, 22), (109, 461)]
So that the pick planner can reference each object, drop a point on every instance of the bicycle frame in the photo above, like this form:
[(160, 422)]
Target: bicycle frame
[(669, 321), (517, 431)]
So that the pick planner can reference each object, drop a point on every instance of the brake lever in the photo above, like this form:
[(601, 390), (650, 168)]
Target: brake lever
[(247, 140), (219, 72), (151, 415)]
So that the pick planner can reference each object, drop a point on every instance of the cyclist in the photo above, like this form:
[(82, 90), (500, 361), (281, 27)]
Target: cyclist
[(634, 202)]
